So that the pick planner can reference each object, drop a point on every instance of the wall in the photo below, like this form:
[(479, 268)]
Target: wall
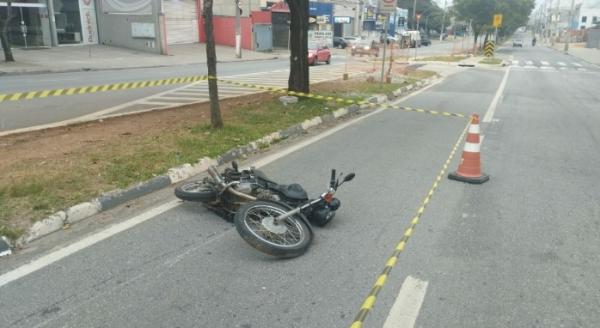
[(593, 38), (115, 30), (224, 27)]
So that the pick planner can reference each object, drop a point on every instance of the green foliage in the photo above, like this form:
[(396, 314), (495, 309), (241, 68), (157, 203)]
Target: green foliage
[(481, 12), (430, 13)]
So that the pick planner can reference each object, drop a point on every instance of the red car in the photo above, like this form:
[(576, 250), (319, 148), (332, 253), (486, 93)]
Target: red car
[(318, 54)]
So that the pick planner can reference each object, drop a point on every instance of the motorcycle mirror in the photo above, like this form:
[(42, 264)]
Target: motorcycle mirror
[(234, 164), (349, 177)]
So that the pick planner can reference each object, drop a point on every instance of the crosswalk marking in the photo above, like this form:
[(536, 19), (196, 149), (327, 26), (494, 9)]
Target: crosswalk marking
[(515, 62), (582, 69), (529, 63), (197, 92), (561, 64), (545, 63), (578, 64)]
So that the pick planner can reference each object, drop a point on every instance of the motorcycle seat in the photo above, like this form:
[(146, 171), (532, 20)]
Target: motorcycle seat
[(292, 191)]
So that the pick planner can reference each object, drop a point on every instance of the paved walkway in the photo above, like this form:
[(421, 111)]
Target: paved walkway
[(100, 57), (590, 55)]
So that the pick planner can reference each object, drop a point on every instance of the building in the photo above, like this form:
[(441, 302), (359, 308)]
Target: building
[(588, 14)]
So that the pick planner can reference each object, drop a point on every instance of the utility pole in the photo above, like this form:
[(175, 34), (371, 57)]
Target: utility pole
[(238, 30), (443, 21), (569, 26), (385, 38), (414, 13)]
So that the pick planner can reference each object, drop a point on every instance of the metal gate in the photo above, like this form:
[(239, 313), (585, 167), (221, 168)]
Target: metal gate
[(263, 37), (281, 30)]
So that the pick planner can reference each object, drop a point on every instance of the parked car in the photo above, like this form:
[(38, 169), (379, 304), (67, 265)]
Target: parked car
[(425, 40), (339, 42), (318, 54), (518, 43), (351, 39), (364, 47)]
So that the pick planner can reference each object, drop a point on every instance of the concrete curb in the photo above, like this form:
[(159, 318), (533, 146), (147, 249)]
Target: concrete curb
[(177, 174), (87, 69)]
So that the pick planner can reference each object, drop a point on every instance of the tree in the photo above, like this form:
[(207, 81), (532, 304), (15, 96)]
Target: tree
[(211, 61), (427, 8), (299, 78), (4, 23), (480, 13)]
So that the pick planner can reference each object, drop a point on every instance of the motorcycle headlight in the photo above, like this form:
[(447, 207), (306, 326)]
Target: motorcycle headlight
[(310, 55), (366, 47)]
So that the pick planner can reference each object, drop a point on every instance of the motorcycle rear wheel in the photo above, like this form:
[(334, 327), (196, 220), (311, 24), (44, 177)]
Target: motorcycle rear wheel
[(196, 191), (255, 223)]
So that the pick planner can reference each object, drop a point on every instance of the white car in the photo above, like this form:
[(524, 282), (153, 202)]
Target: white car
[(518, 43)]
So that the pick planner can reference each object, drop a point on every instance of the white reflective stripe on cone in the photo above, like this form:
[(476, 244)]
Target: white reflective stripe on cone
[(474, 128), (472, 147)]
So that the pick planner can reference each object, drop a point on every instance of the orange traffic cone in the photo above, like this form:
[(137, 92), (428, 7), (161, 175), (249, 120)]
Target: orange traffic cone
[(469, 169)]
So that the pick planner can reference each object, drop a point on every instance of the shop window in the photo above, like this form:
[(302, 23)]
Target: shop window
[(583, 19), (68, 21)]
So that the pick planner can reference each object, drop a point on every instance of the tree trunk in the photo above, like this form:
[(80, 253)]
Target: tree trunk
[(299, 78), (211, 61), (8, 55), (475, 35)]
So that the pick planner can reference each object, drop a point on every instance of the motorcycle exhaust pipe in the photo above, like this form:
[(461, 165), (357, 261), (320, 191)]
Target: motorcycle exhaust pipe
[(241, 194)]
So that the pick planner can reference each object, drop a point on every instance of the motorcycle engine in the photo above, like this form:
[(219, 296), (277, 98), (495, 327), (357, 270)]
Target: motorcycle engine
[(245, 188), (268, 195)]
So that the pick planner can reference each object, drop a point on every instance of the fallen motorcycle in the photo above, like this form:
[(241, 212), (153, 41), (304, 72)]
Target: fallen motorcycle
[(273, 218)]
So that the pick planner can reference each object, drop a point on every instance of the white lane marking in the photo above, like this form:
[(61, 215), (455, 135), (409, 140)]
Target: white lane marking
[(529, 66), (406, 308), (83, 243), (562, 68), (545, 63), (529, 63), (547, 67), (582, 69), (515, 62), (489, 115), (57, 255), (577, 64), (561, 64)]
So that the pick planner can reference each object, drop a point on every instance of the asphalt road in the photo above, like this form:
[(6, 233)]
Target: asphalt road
[(40, 112), (519, 251)]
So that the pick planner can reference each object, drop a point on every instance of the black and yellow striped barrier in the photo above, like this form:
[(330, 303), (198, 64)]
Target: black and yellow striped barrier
[(489, 48), (17, 96), (97, 88)]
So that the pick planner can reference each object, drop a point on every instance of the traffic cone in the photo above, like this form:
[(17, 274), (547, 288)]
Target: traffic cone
[(469, 169)]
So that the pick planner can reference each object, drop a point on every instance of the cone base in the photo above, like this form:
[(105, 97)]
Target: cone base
[(474, 180)]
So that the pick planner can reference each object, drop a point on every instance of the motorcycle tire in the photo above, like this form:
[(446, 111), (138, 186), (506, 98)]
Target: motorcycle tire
[(255, 224), (196, 191)]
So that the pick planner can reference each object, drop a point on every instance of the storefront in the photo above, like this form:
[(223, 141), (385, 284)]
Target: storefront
[(75, 22), (182, 21), (320, 16), (30, 26)]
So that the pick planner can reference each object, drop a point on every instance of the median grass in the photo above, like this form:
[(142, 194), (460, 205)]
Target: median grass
[(46, 171), (443, 58)]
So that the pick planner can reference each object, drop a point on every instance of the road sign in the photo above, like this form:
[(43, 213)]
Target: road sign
[(497, 20), (489, 48), (387, 6)]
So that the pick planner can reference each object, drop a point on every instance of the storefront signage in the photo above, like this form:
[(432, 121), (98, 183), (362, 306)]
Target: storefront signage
[(89, 26), (321, 38), (387, 6), (341, 19)]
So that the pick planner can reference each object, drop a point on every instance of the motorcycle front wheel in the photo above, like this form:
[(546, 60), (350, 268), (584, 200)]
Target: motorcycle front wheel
[(255, 222), (196, 191)]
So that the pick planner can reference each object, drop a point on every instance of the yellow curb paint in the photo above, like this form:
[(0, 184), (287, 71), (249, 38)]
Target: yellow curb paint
[(43, 94), (408, 232), (356, 324)]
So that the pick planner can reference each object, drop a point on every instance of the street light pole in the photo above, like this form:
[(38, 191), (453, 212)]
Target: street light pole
[(238, 31), (569, 26), (414, 12), (443, 21)]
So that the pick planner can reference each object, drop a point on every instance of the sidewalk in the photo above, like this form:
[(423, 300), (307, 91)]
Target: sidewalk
[(100, 57), (590, 55)]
